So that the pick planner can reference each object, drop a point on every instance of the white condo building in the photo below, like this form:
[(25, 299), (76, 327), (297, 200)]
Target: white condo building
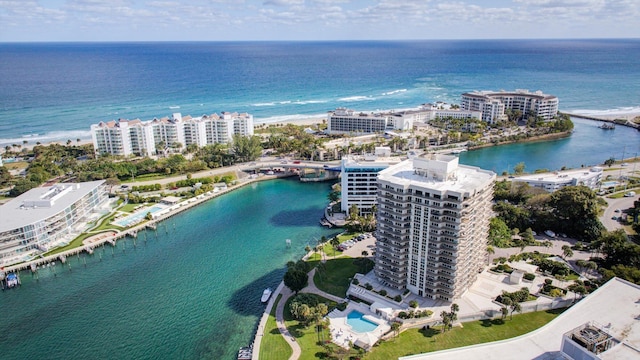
[(557, 180), (127, 137), (493, 104), (359, 176), (433, 224), (47, 217)]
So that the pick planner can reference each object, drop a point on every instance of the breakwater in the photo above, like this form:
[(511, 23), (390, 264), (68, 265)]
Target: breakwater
[(623, 122)]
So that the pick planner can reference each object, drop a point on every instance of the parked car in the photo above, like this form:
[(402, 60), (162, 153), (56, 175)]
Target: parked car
[(550, 233)]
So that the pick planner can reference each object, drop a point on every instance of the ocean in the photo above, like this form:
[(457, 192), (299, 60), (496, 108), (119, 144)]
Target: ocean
[(55, 91)]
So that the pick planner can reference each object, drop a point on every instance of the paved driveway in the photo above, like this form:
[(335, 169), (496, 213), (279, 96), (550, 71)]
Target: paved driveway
[(622, 204)]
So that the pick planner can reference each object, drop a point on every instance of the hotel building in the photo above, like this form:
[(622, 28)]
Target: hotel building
[(128, 137), (47, 217), (346, 121), (493, 104), (433, 223), (359, 176)]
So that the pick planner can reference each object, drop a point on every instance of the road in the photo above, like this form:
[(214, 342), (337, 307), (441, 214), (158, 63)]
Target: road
[(613, 204), (265, 162)]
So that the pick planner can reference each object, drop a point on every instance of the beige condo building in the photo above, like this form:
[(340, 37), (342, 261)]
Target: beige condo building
[(433, 223)]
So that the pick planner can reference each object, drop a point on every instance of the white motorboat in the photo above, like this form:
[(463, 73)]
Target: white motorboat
[(266, 294)]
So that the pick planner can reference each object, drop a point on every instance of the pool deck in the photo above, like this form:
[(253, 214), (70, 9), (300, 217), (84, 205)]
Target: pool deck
[(343, 334)]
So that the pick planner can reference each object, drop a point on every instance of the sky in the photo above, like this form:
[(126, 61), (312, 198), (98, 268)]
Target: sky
[(245, 20)]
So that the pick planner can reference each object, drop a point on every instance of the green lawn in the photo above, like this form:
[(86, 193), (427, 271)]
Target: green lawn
[(307, 337), (273, 345), (149, 177), (337, 274), (128, 207), (417, 341), (105, 224)]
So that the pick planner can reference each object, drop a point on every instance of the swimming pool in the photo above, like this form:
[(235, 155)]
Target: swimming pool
[(138, 216), (358, 323)]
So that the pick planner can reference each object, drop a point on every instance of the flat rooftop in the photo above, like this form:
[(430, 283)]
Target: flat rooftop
[(562, 176), (465, 178), (16, 215), (615, 305)]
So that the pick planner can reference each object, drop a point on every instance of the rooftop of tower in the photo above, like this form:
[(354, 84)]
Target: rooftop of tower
[(438, 172)]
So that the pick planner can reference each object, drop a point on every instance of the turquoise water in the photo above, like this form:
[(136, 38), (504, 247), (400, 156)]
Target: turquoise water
[(125, 222), (55, 91), (587, 146), (192, 292), (358, 323)]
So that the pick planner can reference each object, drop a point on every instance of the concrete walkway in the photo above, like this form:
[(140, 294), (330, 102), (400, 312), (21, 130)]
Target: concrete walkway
[(312, 289), (286, 294)]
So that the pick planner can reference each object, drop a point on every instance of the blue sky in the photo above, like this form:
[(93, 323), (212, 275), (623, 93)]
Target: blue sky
[(225, 20)]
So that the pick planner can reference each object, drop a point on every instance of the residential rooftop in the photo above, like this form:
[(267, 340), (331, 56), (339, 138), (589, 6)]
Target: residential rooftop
[(41, 203), (615, 305), (438, 172)]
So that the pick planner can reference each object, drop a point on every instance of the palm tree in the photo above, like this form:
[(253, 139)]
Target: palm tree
[(515, 307), (505, 312), (566, 251), (395, 326)]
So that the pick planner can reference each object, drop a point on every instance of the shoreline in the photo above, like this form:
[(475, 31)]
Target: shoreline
[(594, 115), (546, 137), (132, 231)]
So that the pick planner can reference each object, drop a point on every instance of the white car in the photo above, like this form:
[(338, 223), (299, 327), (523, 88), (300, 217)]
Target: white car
[(550, 233)]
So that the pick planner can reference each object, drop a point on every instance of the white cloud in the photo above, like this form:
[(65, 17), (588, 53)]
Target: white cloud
[(283, 2), (319, 19)]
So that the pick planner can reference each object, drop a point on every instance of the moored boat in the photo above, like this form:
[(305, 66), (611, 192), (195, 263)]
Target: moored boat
[(245, 353), (266, 294)]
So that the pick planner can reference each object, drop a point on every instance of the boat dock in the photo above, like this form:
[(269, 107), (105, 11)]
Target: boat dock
[(111, 237)]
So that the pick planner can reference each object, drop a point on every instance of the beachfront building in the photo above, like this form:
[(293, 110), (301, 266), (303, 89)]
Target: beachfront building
[(445, 111), (47, 217), (169, 132), (347, 121), (557, 180), (493, 104), (433, 223), (111, 137), (135, 137), (359, 175)]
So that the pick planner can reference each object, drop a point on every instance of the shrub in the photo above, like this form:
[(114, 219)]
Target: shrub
[(368, 286), (529, 276), (355, 282), (341, 306), (555, 292), (403, 315), (383, 292), (398, 298), (413, 304), (406, 291)]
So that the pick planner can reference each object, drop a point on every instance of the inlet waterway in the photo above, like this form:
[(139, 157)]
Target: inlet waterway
[(192, 289), (588, 145), (191, 292)]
